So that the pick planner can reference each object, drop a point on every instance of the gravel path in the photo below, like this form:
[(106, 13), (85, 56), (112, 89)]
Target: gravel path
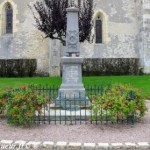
[(140, 132)]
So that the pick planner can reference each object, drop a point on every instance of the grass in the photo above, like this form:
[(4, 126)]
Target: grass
[(142, 82)]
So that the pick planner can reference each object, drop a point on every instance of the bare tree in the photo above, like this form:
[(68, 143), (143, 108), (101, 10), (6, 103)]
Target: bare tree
[(51, 18)]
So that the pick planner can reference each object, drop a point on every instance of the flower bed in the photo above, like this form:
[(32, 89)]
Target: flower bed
[(22, 104), (119, 103), (26, 105)]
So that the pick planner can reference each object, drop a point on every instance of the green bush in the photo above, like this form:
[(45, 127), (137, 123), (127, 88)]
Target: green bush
[(111, 66), (22, 104), (119, 103), (3, 100), (18, 67)]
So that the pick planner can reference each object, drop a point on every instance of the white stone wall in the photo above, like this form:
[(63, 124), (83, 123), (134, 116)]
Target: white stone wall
[(122, 31), (26, 41), (126, 25), (146, 35)]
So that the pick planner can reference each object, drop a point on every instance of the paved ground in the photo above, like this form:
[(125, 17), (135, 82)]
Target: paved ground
[(140, 132)]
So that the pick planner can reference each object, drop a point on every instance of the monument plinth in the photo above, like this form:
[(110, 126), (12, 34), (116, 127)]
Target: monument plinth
[(72, 86)]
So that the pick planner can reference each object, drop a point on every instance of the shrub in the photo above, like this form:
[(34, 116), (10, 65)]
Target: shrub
[(3, 100), (17, 67), (119, 103), (111, 66), (22, 105)]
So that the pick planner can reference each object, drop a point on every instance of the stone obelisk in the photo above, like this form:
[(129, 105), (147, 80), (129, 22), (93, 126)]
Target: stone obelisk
[(72, 86)]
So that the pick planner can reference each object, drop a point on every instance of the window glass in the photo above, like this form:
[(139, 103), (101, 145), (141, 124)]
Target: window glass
[(98, 31), (9, 19)]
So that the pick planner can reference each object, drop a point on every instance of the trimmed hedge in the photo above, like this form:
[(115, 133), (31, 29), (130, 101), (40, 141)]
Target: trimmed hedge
[(111, 66), (17, 67)]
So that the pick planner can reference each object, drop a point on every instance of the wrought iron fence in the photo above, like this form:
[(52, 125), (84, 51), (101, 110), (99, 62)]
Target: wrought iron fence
[(75, 110)]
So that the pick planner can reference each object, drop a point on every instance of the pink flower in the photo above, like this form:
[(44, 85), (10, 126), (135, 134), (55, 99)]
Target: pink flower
[(4, 100)]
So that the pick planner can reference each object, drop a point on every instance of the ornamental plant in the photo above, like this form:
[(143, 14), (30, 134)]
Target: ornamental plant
[(22, 104), (3, 100), (118, 103)]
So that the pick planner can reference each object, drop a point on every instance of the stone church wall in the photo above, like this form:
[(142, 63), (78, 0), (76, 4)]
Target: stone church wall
[(145, 33), (120, 39), (125, 35), (26, 41)]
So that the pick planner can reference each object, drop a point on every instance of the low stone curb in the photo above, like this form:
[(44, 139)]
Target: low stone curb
[(9, 144)]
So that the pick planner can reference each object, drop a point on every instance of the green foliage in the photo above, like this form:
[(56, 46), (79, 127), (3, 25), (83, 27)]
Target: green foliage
[(22, 105), (17, 67), (111, 66), (3, 100), (119, 103)]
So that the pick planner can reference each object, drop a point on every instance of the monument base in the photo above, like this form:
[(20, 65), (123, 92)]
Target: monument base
[(72, 103), (72, 86), (72, 91), (72, 97)]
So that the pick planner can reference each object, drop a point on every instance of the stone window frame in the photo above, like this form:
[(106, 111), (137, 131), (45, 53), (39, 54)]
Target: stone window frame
[(104, 18), (3, 6), (9, 22)]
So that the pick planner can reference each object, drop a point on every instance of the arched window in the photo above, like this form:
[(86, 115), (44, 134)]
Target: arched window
[(9, 19), (98, 30)]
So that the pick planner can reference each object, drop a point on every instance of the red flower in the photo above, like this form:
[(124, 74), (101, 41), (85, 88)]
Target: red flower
[(22, 87), (135, 109), (104, 105), (16, 96), (4, 100), (110, 103), (14, 115), (93, 99), (39, 107)]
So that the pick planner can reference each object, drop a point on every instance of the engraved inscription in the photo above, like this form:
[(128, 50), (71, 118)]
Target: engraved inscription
[(71, 74)]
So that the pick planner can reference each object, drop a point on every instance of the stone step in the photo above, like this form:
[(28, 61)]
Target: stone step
[(63, 113)]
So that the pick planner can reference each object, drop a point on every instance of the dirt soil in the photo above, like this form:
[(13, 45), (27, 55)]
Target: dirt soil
[(139, 132)]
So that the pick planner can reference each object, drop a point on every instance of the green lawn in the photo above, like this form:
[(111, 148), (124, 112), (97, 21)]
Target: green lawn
[(142, 82)]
